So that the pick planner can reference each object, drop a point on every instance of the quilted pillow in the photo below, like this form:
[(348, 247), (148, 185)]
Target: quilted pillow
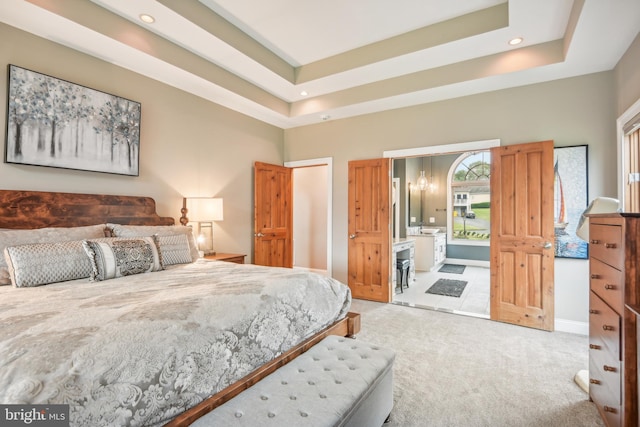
[(43, 235), (43, 263), (119, 230), (118, 257), (174, 249)]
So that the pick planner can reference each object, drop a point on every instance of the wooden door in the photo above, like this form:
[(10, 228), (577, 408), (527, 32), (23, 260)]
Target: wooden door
[(522, 234), (273, 216), (369, 229)]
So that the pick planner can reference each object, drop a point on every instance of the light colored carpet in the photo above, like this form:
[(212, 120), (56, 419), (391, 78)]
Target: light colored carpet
[(452, 370)]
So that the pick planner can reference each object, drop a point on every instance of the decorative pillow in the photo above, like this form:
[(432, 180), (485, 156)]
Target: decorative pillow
[(118, 257), (174, 249), (43, 235), (119, 230), (43, 263)]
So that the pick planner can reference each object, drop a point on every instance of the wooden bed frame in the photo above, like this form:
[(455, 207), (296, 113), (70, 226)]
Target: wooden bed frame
[(36, 209)]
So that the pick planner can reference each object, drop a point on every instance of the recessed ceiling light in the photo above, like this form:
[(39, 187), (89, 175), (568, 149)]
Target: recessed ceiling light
[(147, 18), (304, 93), (516, 41)]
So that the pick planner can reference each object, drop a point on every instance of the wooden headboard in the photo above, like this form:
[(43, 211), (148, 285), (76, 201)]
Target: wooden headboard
[(37, 209)]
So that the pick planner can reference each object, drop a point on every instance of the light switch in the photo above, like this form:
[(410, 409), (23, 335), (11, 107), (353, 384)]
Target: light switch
[(413, 219), (432, 220)]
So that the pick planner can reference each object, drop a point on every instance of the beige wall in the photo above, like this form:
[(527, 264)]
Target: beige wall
[(573, 111), (189, 146), (627, 77)]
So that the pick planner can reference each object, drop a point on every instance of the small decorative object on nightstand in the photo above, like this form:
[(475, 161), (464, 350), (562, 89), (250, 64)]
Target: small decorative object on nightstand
[(237, 258)]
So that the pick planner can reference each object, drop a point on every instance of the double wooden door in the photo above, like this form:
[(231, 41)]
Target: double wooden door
[(522, 233)]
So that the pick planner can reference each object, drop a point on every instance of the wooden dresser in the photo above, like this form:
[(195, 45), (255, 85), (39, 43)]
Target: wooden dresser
[(614, 285)]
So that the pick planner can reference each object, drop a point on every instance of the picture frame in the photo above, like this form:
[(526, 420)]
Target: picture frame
[(570, 200), (55, 123)]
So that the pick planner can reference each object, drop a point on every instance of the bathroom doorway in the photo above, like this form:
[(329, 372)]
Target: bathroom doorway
[(451, 211)]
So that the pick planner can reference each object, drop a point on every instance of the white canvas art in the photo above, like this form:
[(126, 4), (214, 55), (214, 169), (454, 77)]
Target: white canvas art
[(571, 198), (52, 122)]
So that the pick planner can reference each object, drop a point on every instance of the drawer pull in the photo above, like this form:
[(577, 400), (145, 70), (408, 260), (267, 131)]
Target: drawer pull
[(594, 381), (609, 368), (608, 328), (595, 276), (594, 311), (594, 241), (594, 347), (610, 245), (610, 287), (610, 409)]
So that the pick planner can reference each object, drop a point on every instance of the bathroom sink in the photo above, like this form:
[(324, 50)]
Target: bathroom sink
[(429, 230)]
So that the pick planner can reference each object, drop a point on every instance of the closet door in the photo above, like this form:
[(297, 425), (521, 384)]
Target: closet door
[(273, 216)]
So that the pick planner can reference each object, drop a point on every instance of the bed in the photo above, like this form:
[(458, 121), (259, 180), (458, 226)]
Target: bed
[(148, 349)]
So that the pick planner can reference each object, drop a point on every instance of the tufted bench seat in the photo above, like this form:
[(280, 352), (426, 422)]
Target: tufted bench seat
[(338, 382)]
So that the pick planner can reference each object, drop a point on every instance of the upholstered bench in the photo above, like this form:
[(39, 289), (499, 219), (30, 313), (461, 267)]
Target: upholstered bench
[(338, 382)]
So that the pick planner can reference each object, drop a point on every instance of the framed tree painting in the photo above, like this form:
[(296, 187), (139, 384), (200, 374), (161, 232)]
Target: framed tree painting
[(56, 123), (570, 200)]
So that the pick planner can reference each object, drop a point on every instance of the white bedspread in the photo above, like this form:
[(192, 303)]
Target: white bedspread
[(141, 349)]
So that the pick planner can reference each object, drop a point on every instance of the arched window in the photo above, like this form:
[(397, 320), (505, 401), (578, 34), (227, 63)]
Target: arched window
[(470, 217)]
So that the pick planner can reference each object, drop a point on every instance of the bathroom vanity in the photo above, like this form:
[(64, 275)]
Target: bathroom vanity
[(430, 251)]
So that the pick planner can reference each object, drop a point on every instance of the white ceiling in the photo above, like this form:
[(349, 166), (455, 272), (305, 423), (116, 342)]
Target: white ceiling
[(352, 57)]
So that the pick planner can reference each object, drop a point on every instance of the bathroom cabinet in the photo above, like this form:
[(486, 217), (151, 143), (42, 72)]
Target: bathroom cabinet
[(431, 251)]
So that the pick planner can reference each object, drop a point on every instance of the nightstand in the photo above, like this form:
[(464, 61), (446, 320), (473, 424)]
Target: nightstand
[(237, 258)]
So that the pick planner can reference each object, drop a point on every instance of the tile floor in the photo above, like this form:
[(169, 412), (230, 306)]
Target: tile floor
[(474, 300)]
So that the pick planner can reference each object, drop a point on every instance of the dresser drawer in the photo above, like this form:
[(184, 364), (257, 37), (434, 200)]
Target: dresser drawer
[(604, 328), (604, 390), (607, 282), (605, 244)]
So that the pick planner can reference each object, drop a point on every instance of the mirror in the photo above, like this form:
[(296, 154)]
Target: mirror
[(395, 204), (415, 197), (426, 207), (415, 206)]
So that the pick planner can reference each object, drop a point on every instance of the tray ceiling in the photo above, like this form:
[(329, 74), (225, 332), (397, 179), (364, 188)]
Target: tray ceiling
[(350, 57)]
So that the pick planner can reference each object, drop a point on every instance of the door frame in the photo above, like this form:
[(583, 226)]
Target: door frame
[(328, 162), (442, 149), (620, 122)]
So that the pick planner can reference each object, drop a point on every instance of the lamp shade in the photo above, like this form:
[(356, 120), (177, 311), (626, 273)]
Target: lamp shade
[(204, 209), (597, 205)]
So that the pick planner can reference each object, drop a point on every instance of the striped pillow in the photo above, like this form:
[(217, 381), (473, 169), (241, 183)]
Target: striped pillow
[(117, 257)]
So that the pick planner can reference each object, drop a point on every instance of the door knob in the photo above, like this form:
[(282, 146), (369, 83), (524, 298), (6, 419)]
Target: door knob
[(258, 234), (547, 245), (352, 236)]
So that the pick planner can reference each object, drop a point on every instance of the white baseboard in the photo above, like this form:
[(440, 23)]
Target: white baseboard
[(572, 326), (471, 262)]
